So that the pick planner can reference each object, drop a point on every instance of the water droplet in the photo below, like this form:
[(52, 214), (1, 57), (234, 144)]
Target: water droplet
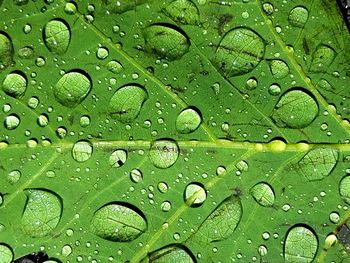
[(251, 84), (14, 176), (222, 222), (334, 217), (119, 222), (183, 11), (126, 103), (298, 16), (262, 250), (322, 58), (170, 253), (40, 62), (43, 120), (12, 122), (84, 121), (166, 41), (268, 8), (72, 88), (70, 8), (102, 53), (239, 52), (118, 158), (163, 153), (344, 189), (165, 206), (162, 187), (26, 52), (114, 67), (301, 245), (6, 254), (290, 110), (57, 36), (136, 175), (82, 151), (15, 84), (263, 194), (188, 120), (48, 208), (33, 102), (279, 68), (318, 163), (6, 51), (274, 90), (195, 194), (27, 28)]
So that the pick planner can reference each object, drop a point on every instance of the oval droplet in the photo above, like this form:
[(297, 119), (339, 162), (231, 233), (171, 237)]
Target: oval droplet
[(170, 253), (222, 222), (344, 189), (6, 51), (119, 222), (42, 212), (279, 68), (14, 176), (82, 151), (15, 84), (322, 58), (57, 36), (188, 120), (12, 122), (136, 175), (290, 110), (118, 158), (26, 52), (239, 52), (183, 11), (126, 103), (298, 16), (268, 8), (318, 163), (72, 88), (301, 245), (195, 194), (166, 41), (263, 194), (114, 67), (6, 254), (163, 153)]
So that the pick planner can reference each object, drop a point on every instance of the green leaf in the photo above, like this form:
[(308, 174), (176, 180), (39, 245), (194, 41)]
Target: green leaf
[(174, 131)]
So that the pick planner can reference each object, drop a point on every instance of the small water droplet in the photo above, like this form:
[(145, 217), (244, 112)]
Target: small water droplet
[(268, 8), (136, 175), (263, 194), (114, 67), (298, 16), (26, 52), (279, 69), (251, 84), (66, 250), (11, 122), (70, 8), (82, 151), (102, 53), (14, 176), (165, 206), (274, 89)]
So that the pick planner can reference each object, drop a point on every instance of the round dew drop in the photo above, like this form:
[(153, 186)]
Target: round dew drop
[(163, 153), (15, 84), (188, 121), (12, 122), (82, 151), (118, 158)]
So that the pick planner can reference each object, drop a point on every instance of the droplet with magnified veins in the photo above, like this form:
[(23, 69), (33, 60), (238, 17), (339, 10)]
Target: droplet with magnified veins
[(188, 120), (163, 153), (15, 84), (263, 194), (57, 36), (6, 51)]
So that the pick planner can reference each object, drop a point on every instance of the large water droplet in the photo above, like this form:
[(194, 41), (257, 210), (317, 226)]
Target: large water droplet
[(279, 68), (118, 158), (222, 222), (301, 245), (6, 51), (195, 194), (239, 52), (163, 153), (114, 67), (14, 176), (118, 222), (72, 88), (188, 120), (183, 11), (318, 163), (166, 41), (6, 254), (42, 212), (322, 58), (170, 253), (12, 121), (15, 84), (291, 108), (263, 194), (344, 189), (126, 103), (82, 151), (298, 16), (57, 36)]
